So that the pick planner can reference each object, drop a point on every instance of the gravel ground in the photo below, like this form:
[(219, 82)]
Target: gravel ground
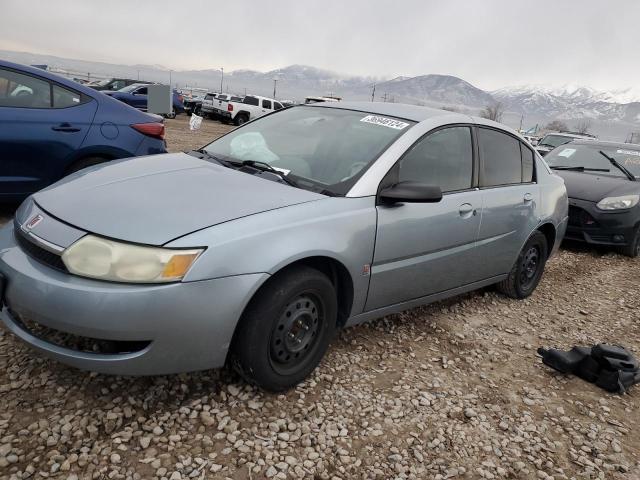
[(452, 390)]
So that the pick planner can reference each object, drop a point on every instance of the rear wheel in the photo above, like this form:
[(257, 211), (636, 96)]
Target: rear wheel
[(241, 119), (633, 248), (84, 163), (527, 271), (286, 329)]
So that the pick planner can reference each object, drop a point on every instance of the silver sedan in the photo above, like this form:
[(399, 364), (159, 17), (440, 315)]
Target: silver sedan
[(255, 249)]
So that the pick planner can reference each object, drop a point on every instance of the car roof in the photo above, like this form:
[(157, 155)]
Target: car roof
[(605, 143), (38, 72)]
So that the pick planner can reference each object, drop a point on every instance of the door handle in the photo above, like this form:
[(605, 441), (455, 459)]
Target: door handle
[(466, 210), (65, 127), (528, 197)]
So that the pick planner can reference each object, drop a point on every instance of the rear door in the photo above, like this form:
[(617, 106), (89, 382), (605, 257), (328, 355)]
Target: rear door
[(426, 248), (510, 196), (41, 126)]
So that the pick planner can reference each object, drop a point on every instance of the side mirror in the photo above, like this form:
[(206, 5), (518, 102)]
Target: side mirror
[(411, 192)]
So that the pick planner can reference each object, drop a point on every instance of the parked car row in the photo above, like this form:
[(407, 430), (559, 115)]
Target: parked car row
[(136, 95), (383, 207)]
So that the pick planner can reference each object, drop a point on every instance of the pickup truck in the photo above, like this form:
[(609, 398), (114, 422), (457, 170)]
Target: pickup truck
[(208, 101), (252, 106), (221, 102)]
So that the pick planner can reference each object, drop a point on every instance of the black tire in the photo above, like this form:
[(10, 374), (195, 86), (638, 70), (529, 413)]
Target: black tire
[(528, 269), (241, 119), (84, 163), (285, 330), (633, 248)]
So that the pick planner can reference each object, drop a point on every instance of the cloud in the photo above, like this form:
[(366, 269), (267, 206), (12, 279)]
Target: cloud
[(491, 43)]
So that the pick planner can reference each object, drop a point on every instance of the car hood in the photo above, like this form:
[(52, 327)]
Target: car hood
[(593, 187), (155, 199)]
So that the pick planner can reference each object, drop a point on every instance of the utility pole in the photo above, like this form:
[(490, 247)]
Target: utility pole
[(275, 82), (221, 78), (384, 97), (373, 93), (170, 78), (138, 74), (521, 121)]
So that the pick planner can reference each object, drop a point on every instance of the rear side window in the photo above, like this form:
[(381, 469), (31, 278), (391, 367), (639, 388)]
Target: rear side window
[(63, 98), (251, 101), (443, 158), (266, 104), (19, 90), (501, 158), (236, 99), (208, 96), (527, 163)]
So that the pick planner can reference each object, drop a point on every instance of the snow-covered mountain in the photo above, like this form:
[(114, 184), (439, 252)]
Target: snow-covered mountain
[(610, 111)]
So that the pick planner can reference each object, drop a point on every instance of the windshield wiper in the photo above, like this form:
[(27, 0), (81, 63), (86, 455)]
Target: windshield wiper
[(578, 169), (265, 167), (222, 162), (616, 164)]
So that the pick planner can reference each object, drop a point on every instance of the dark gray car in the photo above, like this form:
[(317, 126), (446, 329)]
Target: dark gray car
[(255, 249)]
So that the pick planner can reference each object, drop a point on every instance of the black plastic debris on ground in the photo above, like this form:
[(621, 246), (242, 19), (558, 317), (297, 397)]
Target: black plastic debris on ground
[(610, 367)]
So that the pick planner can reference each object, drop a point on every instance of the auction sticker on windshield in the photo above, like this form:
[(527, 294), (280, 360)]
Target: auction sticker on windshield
[(629, 152), (385, 122), (567, 152)]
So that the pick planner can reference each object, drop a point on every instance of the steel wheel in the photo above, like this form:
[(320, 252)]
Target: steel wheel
[(529, 267), (296, 332)]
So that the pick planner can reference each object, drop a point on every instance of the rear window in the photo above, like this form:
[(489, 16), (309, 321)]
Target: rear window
[(236, 99), (251, 101), (208, 96)]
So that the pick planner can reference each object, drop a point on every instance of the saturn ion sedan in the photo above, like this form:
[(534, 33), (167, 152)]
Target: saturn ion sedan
[(255, 249)]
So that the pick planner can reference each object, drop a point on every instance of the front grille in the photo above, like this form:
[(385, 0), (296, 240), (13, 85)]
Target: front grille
[(78, 343), (37, 252), (579, 217)]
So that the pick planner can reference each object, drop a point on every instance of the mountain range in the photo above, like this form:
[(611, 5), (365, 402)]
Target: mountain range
[(613, 114)]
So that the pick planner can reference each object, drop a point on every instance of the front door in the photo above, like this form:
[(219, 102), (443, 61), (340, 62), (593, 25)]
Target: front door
[(426, 248)]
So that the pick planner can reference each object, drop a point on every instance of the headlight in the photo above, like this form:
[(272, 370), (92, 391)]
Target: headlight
[(104, 259), (618, 203)]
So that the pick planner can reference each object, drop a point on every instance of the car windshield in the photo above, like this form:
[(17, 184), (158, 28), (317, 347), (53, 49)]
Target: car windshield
[(325, 148), (589, 156), (102, 83), (555, 140)]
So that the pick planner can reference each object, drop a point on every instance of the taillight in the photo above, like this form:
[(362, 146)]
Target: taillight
[(180, 98), (154, 129), (229, 108)]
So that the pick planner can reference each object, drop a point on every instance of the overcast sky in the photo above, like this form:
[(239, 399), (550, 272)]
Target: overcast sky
[(490, 43)]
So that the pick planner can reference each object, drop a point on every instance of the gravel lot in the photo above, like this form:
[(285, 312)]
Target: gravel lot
[(453, 390)]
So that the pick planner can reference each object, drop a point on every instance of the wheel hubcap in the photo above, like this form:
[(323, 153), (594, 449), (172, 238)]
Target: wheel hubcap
[(296, 331), (529, 267)]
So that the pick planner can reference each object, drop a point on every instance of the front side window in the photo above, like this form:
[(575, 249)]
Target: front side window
[(501, 157), (320, 148), (266, 104), (277, 106), (141, 91), (443, 158), (19, 90)]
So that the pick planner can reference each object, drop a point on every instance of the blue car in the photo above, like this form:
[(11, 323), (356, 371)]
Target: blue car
[(51, 126), (136, 96)]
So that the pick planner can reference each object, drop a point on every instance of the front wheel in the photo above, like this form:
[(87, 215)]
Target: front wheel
[(527, 271), (633, 248), (286, 329)]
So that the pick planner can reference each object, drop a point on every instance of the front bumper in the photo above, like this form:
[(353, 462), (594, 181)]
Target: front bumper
[(181, 326), (589, 224)]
